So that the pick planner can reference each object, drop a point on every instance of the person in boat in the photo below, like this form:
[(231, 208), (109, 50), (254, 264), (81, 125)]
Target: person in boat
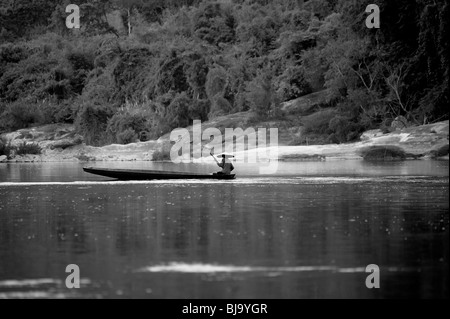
[(226, 165)]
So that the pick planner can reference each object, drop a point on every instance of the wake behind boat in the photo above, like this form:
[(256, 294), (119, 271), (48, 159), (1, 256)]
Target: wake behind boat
[(132, 175)]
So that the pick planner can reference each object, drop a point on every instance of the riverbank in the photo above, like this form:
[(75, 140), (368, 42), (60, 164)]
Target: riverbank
[(60, 143)]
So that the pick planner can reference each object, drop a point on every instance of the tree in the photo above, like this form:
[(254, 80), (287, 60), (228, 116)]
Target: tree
[(92, 122), (196, 72), (177, 113), (262, 95), (292, 83), (395, 82), (216, 82), (21, 17), (214, 23), (95, 19), (128, 6)]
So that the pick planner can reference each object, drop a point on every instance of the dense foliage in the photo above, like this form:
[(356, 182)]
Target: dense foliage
[(24, 148), (139, 68)]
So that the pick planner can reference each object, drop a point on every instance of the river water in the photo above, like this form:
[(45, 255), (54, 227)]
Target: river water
[(307, 232)]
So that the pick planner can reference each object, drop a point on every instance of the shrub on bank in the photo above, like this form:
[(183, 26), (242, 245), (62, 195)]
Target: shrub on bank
[(124, 127), (5, 148), (440, 152), (23, 149), (318, 123), (126, 137), (18, 115), (28, 149), (383, 153), (91, 122), (344, 130), (161, 155)]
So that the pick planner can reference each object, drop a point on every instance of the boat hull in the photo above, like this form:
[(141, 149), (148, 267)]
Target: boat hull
[(139, 175)]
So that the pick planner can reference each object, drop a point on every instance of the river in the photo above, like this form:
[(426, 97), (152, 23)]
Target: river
[(307, 232)]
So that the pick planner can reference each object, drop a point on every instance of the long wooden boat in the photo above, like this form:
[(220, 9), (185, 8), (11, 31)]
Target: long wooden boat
[(133, 175)]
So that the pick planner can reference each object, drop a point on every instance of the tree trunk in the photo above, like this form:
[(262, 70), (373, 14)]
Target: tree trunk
[(129, 22)]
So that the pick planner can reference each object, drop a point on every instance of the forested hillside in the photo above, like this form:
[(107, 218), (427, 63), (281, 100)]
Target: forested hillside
[(138, 69)]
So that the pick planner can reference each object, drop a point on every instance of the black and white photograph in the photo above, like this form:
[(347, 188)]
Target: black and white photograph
[(224, 153)]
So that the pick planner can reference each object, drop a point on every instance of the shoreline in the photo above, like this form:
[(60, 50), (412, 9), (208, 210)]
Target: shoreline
[(329, 159), (36, 159), (60, 143)]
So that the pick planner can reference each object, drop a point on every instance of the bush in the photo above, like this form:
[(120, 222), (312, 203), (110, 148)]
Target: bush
[(199, 109), (28, 149), (216, 82), (220, 106), (383, 153), (262, 96), (367, 108), (160, 155), (124, 127), (91, 123), (18, 115), (177, 113), (440, 152), (344, 129), (128, 136), (214, 23), (293, 84), (318, 123), (23, 113), (80, 60), (28, 78), (133, 74), (10, 53), (5, 148), (386, 127), (163, 154)]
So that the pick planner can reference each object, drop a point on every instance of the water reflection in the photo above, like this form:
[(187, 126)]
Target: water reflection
[(112, 231), (69, 172)]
